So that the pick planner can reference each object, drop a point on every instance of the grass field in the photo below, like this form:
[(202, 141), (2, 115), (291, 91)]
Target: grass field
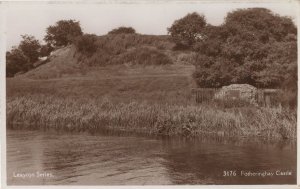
[(119, 83)]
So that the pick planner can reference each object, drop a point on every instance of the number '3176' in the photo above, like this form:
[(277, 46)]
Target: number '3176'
[(229, 173)]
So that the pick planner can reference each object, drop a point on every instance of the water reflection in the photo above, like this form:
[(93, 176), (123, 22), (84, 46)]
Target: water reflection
[(116, 160), (197, 162)]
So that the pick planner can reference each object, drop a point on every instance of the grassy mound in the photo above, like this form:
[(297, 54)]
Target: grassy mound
[(126, 48), (135, 56), (62, 62), (113, 49)]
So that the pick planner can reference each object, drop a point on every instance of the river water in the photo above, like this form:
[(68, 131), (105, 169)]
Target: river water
[(52, 158)]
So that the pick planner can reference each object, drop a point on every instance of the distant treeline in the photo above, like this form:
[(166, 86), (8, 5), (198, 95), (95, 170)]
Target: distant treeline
[(253, 46)]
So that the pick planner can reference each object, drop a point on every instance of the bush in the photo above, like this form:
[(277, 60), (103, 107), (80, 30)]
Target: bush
[(46, 50), (86, 43), (16, 61), (125, 48), (122, 30), (145, 56)]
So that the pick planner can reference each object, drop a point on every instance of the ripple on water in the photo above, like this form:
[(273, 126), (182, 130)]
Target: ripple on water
[(76, 159)]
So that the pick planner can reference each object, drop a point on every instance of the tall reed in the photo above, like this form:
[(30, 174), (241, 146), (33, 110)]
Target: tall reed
[(52, 112)]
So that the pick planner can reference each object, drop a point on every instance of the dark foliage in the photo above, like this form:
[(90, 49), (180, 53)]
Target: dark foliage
[(122, 30), (187, 30), (253, 46), (46, 50), (144, 56), (16, 61), (30, 47), (22, 58), (128, 48), (86, 43), (63, 33)]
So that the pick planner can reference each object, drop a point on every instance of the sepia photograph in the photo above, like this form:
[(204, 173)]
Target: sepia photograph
[(139, 93)]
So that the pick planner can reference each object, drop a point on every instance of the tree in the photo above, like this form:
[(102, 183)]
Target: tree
[(63, 33), (30, 47), (253, 46), (16, 61), (263, 24), (187, 30), (21, 58), (122, 30)]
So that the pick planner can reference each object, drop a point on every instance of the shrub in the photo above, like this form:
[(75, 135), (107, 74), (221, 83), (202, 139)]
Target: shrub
[(145, 56), (46, 50), (122, 30), (16, 62), (86, 43), (126, 48)]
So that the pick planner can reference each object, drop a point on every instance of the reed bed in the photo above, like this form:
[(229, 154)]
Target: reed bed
[(93, 115)]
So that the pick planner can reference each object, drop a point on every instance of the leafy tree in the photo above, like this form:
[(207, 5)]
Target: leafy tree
[(253, 46), (263, 24), (16, 61), (122, 30), (21, 58), (30, 47), (63, 33), (187, 30)]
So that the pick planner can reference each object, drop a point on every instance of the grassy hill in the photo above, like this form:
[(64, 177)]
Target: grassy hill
[(124, 68), (120, 49)]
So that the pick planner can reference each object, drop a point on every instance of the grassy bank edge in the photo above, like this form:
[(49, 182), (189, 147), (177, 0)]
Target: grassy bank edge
[(98, 115)]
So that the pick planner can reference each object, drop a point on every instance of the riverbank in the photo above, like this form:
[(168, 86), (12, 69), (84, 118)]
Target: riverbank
[(96, 114)]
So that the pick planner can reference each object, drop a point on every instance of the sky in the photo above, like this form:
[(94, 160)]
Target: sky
[(99, 18)]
